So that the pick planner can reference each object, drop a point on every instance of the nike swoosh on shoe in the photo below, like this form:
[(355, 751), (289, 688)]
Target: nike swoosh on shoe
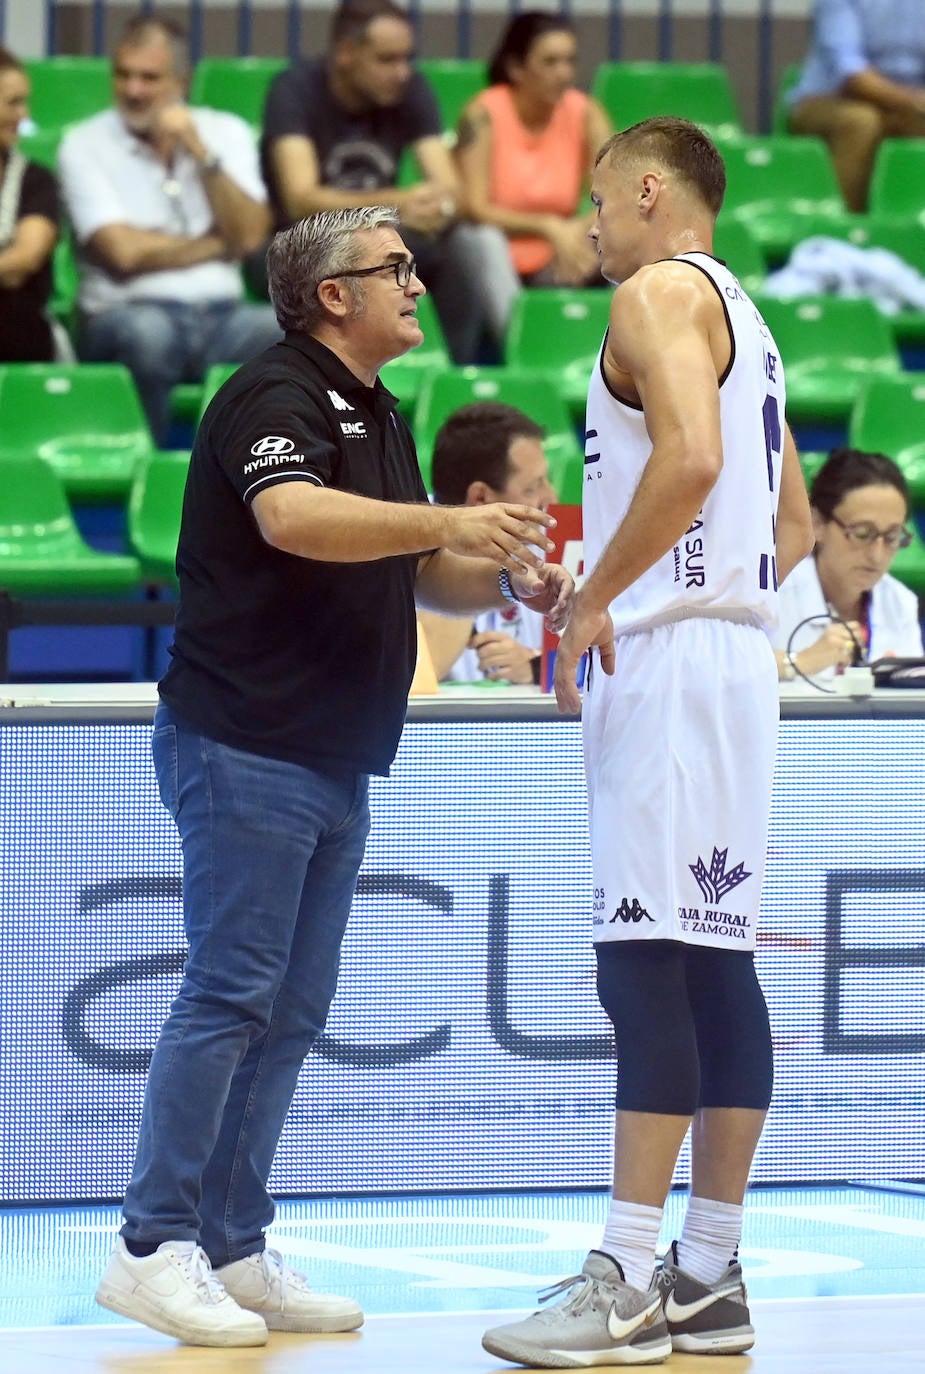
[(679, 1311), (620, 1330)]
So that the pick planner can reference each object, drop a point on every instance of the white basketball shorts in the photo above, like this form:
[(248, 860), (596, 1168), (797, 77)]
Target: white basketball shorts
[(679, 750)]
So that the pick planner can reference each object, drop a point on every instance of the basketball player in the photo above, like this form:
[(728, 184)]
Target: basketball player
[(694, 510)]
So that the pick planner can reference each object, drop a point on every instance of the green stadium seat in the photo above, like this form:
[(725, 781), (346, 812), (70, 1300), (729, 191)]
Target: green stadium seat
[(733, 242), (889, 417), (781, 112), (830, 346), (238, 84), (560, 331), (532, 392), (66, 90), (42, 552), (567, 475), (701, 91), (404, 376), (85, 420), (186, 401), (898, 178), (216, 377), (454, 81), (154, 509), (41, 147), (780, 186)]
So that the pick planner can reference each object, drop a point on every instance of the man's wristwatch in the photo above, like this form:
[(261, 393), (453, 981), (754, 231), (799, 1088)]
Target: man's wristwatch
[(504, 582)]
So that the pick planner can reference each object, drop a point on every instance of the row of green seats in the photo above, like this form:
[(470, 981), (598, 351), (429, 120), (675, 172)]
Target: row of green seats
[(79, 433), (88, 423), (832, 347), (43, 553), (560, 330)]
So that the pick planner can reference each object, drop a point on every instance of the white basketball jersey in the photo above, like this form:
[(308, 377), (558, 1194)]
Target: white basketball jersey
[(726, 560)]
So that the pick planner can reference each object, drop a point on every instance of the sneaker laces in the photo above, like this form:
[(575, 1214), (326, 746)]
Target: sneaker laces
[(574, 1303), (275, 1267), (196, 1266)]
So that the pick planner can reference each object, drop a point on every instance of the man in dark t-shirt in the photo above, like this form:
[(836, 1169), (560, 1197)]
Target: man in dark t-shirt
[(306, 536), (338, 129)]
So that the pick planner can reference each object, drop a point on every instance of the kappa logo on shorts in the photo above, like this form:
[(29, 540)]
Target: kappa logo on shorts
[(627, 912), (715, 882)]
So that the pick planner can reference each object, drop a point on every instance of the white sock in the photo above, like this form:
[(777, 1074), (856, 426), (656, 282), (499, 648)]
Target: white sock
[(710, 1238), (630, 1237)]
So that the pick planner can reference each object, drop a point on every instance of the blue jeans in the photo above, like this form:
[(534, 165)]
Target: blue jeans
[(271, 853), (165, 342)]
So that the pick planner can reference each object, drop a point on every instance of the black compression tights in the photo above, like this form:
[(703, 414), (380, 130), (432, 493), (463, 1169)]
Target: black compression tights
[(691, 1026)]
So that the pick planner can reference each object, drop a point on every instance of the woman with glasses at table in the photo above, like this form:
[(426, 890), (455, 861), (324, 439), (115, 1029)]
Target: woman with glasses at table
[(847, 606)]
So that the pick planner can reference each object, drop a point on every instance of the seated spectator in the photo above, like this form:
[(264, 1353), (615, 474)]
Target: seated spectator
[(525, 152), (165, 201), (335, 130), (488, 452), (28, 230), (860, 506), (864, 80)]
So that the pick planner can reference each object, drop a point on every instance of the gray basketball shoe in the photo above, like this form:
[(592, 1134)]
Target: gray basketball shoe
[(598, 1320), (705, 1318)]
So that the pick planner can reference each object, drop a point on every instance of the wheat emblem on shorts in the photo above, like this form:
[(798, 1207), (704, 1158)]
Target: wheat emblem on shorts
[(715, 882)]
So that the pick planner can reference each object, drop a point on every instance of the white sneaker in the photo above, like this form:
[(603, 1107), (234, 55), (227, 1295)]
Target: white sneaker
[(175, 1291), (264, 1283)]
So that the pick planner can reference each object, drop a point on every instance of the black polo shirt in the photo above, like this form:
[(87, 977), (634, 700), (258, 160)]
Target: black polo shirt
[(285, 656)]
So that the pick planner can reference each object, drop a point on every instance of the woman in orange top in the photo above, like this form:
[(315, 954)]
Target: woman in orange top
[(525, 151)]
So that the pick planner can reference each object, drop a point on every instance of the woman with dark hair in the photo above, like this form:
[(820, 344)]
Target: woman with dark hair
[(525, 151), (28, 230), (855, 610)]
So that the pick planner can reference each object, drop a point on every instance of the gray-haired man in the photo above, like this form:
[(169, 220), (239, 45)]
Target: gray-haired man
[(306, 536)]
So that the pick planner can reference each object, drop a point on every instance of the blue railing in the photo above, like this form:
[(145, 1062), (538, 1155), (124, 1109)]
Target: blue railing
[(667, 13)]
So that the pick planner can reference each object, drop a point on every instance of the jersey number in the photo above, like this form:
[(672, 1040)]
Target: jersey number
[(770, 414)]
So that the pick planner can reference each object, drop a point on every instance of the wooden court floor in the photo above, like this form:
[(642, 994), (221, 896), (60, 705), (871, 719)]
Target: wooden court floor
[(807, 1336)]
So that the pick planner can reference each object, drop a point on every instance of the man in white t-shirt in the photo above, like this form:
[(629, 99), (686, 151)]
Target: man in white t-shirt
[(165, 201), (485, 452)]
